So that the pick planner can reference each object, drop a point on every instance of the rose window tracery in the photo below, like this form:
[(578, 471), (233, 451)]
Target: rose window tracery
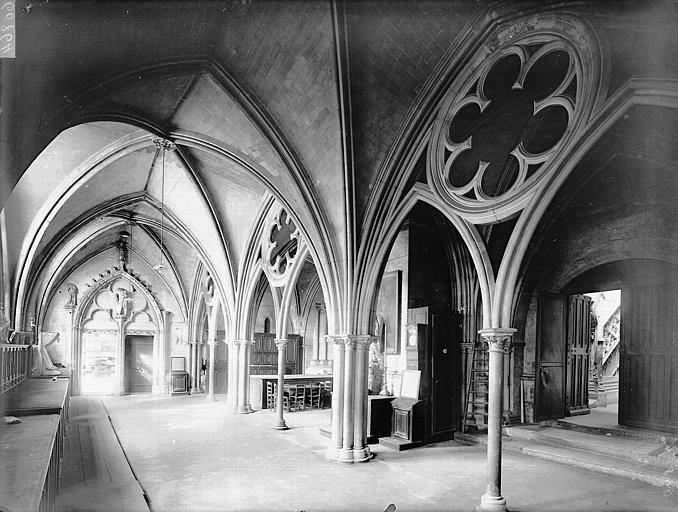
[(503, 123), (280, 246)]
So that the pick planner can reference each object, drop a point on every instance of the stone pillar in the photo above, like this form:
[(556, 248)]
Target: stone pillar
[(233, 376), (498, 342), (210, 383), (316, 339), (349, 399), (243, 384), (337, 398), (160, 356), (196, 367), (279, 423), (121, 355)]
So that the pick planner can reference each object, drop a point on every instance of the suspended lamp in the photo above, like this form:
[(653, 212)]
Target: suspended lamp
[(163, 145)]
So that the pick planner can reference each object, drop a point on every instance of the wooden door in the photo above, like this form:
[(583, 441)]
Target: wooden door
[(551, 357), (578, 353), (444, 379), (648, 383), (139, 367)]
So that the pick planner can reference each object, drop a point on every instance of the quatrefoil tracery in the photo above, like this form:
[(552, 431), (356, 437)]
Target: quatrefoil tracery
[(458, 168), (280, 247)]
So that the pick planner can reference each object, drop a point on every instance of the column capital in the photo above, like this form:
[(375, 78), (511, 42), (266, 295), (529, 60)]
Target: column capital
[(211, 343), (320, 307), (352, 341), (281, 343), (244, 343), (498, 338)]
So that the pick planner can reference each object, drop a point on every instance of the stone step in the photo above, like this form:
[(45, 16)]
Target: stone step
[(663, 454), (652, 463)]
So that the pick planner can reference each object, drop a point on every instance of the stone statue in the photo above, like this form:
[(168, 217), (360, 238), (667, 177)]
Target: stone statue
[(122, 255), (72, 295), (122, 301), (376, 362)]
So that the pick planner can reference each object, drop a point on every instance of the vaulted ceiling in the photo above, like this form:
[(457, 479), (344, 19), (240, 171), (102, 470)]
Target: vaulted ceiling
[(307, 101)]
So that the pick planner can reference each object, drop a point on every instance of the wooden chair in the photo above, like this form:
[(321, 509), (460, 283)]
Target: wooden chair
[(272, 395), (297, 398), (313, 395), (326, 394)]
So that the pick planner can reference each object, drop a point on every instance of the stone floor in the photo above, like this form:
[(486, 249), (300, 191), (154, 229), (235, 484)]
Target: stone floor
[(189, 454)]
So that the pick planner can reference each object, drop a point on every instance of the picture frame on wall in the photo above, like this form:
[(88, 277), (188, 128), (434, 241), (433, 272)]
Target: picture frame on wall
[(388, 310)]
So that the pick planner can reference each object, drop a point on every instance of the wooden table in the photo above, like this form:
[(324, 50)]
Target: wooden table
[(258, 385)]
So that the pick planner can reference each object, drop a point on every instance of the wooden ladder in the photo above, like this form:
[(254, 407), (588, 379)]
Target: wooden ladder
[(477, 389)]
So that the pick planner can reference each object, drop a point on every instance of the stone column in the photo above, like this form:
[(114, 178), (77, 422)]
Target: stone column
[(160, 360), (210, 383), (279, 423), (361, 451), (498, 342), (121, 355), (196, 367), (316, 339), (349, 399), (243, 385), (233, 377), (247, 347), (336, 442)]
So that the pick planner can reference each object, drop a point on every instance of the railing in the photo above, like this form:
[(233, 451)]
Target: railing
[(14, 361)]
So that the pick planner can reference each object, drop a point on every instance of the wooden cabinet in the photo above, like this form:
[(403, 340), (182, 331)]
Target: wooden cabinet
[(433, 348), (378, 417), (179, 382)]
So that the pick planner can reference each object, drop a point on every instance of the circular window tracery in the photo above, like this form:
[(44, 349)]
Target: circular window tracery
[(505, 121)]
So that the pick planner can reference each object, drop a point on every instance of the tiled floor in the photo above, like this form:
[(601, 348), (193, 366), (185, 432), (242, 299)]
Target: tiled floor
[(190, 454)]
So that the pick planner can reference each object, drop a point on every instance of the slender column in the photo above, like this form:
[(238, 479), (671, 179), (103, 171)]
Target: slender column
[(323, 340), (196, 366), (279, 423), (243, 406), (247, 347), (347, 423), (316, 339), (498, 342), (213, 345), (121, 355), (361, 451), (233, 382), (337, 398)]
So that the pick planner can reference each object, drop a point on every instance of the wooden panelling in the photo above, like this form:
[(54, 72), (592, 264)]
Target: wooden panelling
[(649, 357)]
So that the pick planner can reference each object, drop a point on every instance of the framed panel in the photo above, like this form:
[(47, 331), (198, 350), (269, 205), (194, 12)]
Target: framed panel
[(388, 310), (178, 364)]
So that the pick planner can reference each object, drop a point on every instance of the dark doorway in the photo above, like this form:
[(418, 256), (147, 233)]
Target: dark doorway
[(139, 363), (444, 374), (563, 355)]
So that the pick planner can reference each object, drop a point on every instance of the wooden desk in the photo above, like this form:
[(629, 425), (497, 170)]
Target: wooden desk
[(258, 385)]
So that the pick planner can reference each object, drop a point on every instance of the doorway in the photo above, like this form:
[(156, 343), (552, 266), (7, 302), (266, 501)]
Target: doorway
[(138, 364)]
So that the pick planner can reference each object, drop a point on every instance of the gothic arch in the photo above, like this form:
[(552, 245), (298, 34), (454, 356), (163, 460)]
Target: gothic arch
[(123, 313)]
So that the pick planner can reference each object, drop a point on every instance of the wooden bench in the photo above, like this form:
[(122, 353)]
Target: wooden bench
[(31, 451)]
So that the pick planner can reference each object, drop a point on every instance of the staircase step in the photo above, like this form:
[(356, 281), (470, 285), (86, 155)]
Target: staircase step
[(620, 464)]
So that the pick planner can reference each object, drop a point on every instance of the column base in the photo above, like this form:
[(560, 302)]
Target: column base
[(211, 398), (349, 456), (243, 409), (280, 424), (491, 504)]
